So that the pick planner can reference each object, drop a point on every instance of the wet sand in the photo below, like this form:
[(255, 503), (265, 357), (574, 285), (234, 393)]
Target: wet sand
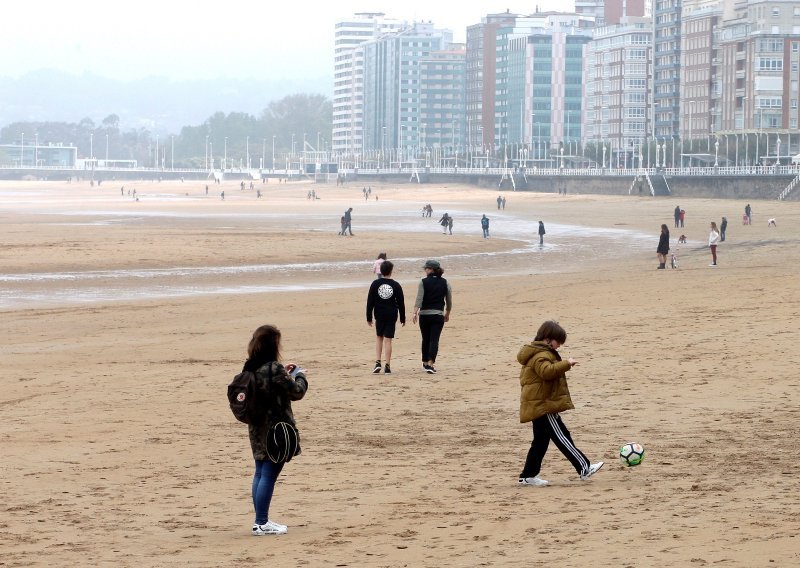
[(124, 321)]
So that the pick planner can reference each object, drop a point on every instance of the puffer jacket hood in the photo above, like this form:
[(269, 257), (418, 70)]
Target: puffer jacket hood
[(543, 380)]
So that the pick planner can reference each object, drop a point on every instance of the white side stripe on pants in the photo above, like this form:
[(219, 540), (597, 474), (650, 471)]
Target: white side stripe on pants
[(554, 426)]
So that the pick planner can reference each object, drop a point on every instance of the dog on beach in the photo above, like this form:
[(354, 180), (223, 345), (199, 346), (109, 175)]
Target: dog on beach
[(772, 223), (682, 239)]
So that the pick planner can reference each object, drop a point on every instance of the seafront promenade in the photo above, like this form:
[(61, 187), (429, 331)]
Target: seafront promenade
[(753, 182)]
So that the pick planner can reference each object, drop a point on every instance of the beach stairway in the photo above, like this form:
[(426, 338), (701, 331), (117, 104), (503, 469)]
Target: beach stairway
[(658, 184), (788, 189)]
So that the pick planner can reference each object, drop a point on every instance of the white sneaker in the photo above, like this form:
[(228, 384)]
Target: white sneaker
[(535, 481), (594, 468), (269, 528)]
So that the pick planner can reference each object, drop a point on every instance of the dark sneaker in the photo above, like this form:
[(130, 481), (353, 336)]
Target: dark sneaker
[(387, 370), (428, 369), (377, 368)]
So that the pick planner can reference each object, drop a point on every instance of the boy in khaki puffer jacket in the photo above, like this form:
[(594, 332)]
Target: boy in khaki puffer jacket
[(545, 394)]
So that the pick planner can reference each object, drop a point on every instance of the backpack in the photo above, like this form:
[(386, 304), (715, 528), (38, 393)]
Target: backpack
[(247, 402)]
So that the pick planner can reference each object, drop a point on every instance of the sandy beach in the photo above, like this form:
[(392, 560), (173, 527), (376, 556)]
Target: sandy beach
[(124, 321)]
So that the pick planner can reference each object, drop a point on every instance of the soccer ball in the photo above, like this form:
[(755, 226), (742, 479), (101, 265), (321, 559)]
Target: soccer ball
[(631, 454)]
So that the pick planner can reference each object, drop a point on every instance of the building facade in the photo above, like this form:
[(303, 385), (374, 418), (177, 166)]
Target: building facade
[(667, 67), (442, 110), (618, 92), (348, 82)]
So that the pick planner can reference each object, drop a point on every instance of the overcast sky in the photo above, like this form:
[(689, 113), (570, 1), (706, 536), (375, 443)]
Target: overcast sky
[(199, 39)]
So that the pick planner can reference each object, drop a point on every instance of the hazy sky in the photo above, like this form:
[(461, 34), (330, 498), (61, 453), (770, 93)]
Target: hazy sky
[(198, 39)]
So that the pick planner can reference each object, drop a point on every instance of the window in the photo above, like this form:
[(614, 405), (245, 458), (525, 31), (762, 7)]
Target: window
[(776, 12), (770, 64)]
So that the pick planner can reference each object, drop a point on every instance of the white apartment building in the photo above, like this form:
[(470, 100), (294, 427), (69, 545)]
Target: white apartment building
[(348, 81)]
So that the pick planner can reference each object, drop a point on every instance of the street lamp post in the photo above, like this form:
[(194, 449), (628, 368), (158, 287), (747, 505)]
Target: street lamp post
[(91, 146), (263, 153), (206, 162), (716, 153), (22, 150), (778, 152), (106, 150), (172, 152), (225, 155), (36, 149), (247, 151), (273, 153), (156, 154)]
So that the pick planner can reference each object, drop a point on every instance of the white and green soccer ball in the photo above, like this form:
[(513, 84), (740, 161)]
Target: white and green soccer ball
[(631, 454)]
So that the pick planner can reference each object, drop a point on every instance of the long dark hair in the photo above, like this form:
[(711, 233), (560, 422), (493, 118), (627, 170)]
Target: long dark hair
[(664, 229), (265, 345)]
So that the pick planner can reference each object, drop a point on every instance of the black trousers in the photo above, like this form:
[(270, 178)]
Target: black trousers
[(546, 428), (431, 329)]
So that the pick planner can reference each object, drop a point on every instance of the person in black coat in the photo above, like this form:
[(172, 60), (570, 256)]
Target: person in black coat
[(541, 233), (663, 247)]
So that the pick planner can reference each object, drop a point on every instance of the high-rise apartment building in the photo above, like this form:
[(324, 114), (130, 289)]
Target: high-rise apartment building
[(666, 67), (442, 90), (700, 86), (618, 91), (541, 102), (392, 89), (348, 75), (481, 77)]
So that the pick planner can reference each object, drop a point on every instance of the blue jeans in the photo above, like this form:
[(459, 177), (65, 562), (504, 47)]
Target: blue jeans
[(263, 486)]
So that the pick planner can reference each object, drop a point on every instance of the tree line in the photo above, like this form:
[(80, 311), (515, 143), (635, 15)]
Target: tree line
[(282, 123)]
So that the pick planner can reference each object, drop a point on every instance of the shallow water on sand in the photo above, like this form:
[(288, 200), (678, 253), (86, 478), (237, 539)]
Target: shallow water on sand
[(24, 290)]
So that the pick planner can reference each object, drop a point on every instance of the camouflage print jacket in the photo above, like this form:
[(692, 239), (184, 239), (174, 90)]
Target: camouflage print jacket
[(281, 389)]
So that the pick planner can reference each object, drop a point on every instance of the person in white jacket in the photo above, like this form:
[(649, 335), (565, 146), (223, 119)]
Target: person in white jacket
[(713, 239)]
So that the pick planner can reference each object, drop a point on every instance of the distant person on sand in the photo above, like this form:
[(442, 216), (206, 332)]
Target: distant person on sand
[(444, 222), (348, 221), (677, 216), (713, 239), (683, 216), (499, 202), (433, 305), (663, 247), (504, 203), (343, 224), (722, 228), (545, 395), (748, 211), (376, 266), (485, 226), (542, 233), (281, 386), (450, 224), (385, 300), (222, 195)]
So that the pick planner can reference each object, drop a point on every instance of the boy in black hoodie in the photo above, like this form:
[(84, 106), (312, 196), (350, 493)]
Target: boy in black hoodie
[(386, 300)]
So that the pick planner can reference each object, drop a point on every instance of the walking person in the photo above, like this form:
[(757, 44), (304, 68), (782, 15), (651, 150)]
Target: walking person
[(663, 247), (723, 226), (748, 212), (544, 396), (677, 216), (450, 224), (444, 222), (713, 239), (485, 226), (432, 306), (683, 217), (542, 233), (281, 386), (385, 300), (348, 220), (376, 266)]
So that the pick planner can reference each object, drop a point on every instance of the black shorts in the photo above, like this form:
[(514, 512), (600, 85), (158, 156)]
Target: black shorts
[(385, 328)]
